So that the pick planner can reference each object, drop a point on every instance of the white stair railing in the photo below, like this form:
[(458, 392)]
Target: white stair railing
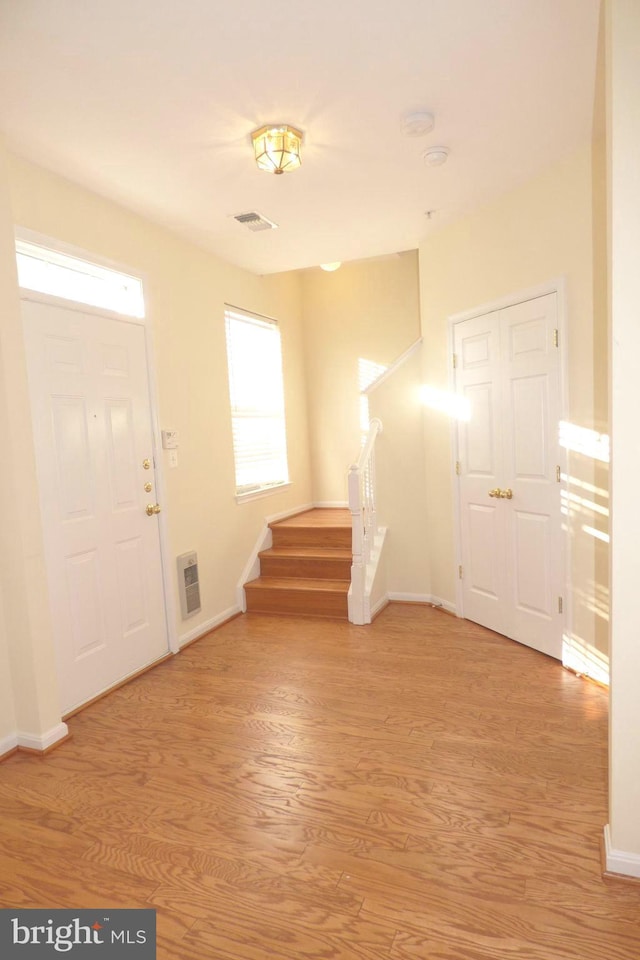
[(364, 524)]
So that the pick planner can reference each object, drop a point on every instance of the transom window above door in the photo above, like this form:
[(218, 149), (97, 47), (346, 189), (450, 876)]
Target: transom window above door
[(45, 270)]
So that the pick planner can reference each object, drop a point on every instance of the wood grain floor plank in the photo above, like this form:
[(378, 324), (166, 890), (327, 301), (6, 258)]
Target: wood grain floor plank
[(317, 939), (173, 863), (467, 921), (419, 789), (199, 896), (50, 883)]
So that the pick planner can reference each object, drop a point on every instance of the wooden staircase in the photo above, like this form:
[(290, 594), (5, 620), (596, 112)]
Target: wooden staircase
[(308, 568)]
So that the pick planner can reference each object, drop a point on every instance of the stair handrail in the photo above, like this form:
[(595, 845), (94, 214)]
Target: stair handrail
[(364, 522)]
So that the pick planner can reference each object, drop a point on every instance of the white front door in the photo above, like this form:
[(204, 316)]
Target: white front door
[(507, 376), (92, 428)]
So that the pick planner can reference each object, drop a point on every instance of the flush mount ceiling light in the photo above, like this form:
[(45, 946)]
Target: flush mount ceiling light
[(436, 156), (417, 124), (330, 267), (277, 147)]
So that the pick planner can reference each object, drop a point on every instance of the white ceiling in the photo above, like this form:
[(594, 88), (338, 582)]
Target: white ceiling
[(151, 103)]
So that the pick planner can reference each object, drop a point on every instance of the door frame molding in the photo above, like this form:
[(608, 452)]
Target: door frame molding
[(146, 322), (559, 287)]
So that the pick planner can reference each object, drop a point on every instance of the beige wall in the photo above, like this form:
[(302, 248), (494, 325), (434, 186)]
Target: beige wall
[(8, 723), (9, 312), (26, 653), (623, 135), (400, 473), (370, 310), (186, 290), (528, 237)]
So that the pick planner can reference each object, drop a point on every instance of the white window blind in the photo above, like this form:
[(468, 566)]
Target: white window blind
[(257, 402)]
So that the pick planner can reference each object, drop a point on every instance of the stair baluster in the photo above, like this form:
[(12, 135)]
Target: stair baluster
[(364, 522)]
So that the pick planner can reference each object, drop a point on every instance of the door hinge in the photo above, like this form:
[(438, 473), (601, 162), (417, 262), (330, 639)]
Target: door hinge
[(455, 361), (460, 572), (560, 604), (556, 337), (558, 474), (458, 468)]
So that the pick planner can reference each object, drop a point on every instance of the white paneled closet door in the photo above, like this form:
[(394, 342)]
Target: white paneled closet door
[(507, 373)]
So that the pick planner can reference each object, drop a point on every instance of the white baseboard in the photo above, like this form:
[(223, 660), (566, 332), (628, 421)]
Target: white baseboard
[(252, 566), (328, 504), (8, 744), (445, 604), (32, 741), (382, 602), (208, 625), (425, 598), (274, 517), (618, 861)]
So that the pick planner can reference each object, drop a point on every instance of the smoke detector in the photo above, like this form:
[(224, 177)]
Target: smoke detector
[(436, 156), (255, 221), (417, 124)]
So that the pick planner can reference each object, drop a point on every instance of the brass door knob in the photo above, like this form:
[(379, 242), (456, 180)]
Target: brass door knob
[(507, 494), (496, 492), (153, 508)]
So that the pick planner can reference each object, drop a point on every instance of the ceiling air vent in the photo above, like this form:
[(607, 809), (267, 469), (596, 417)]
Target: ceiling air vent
[(255, 221)]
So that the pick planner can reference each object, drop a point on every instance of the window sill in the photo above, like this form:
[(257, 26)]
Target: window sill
[(264, 492)]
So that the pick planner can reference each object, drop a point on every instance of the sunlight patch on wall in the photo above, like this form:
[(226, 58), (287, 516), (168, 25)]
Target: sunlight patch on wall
[(598, 534), (584, 660), (588, 487), (576, 504), (451, 404), (595, 600), (582, 440)]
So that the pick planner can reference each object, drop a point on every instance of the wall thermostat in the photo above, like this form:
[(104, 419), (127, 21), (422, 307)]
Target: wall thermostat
[(169, 439)]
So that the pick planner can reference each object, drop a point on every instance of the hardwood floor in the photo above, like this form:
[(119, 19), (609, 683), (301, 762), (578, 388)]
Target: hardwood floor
[(420, 789)]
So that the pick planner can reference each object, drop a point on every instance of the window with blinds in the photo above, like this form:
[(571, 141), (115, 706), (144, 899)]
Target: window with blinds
[(257, 402)]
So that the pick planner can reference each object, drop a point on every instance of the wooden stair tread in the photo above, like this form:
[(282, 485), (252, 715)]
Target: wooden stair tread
[(311, 531), (333, 517), (325, 553), (298, 584)]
